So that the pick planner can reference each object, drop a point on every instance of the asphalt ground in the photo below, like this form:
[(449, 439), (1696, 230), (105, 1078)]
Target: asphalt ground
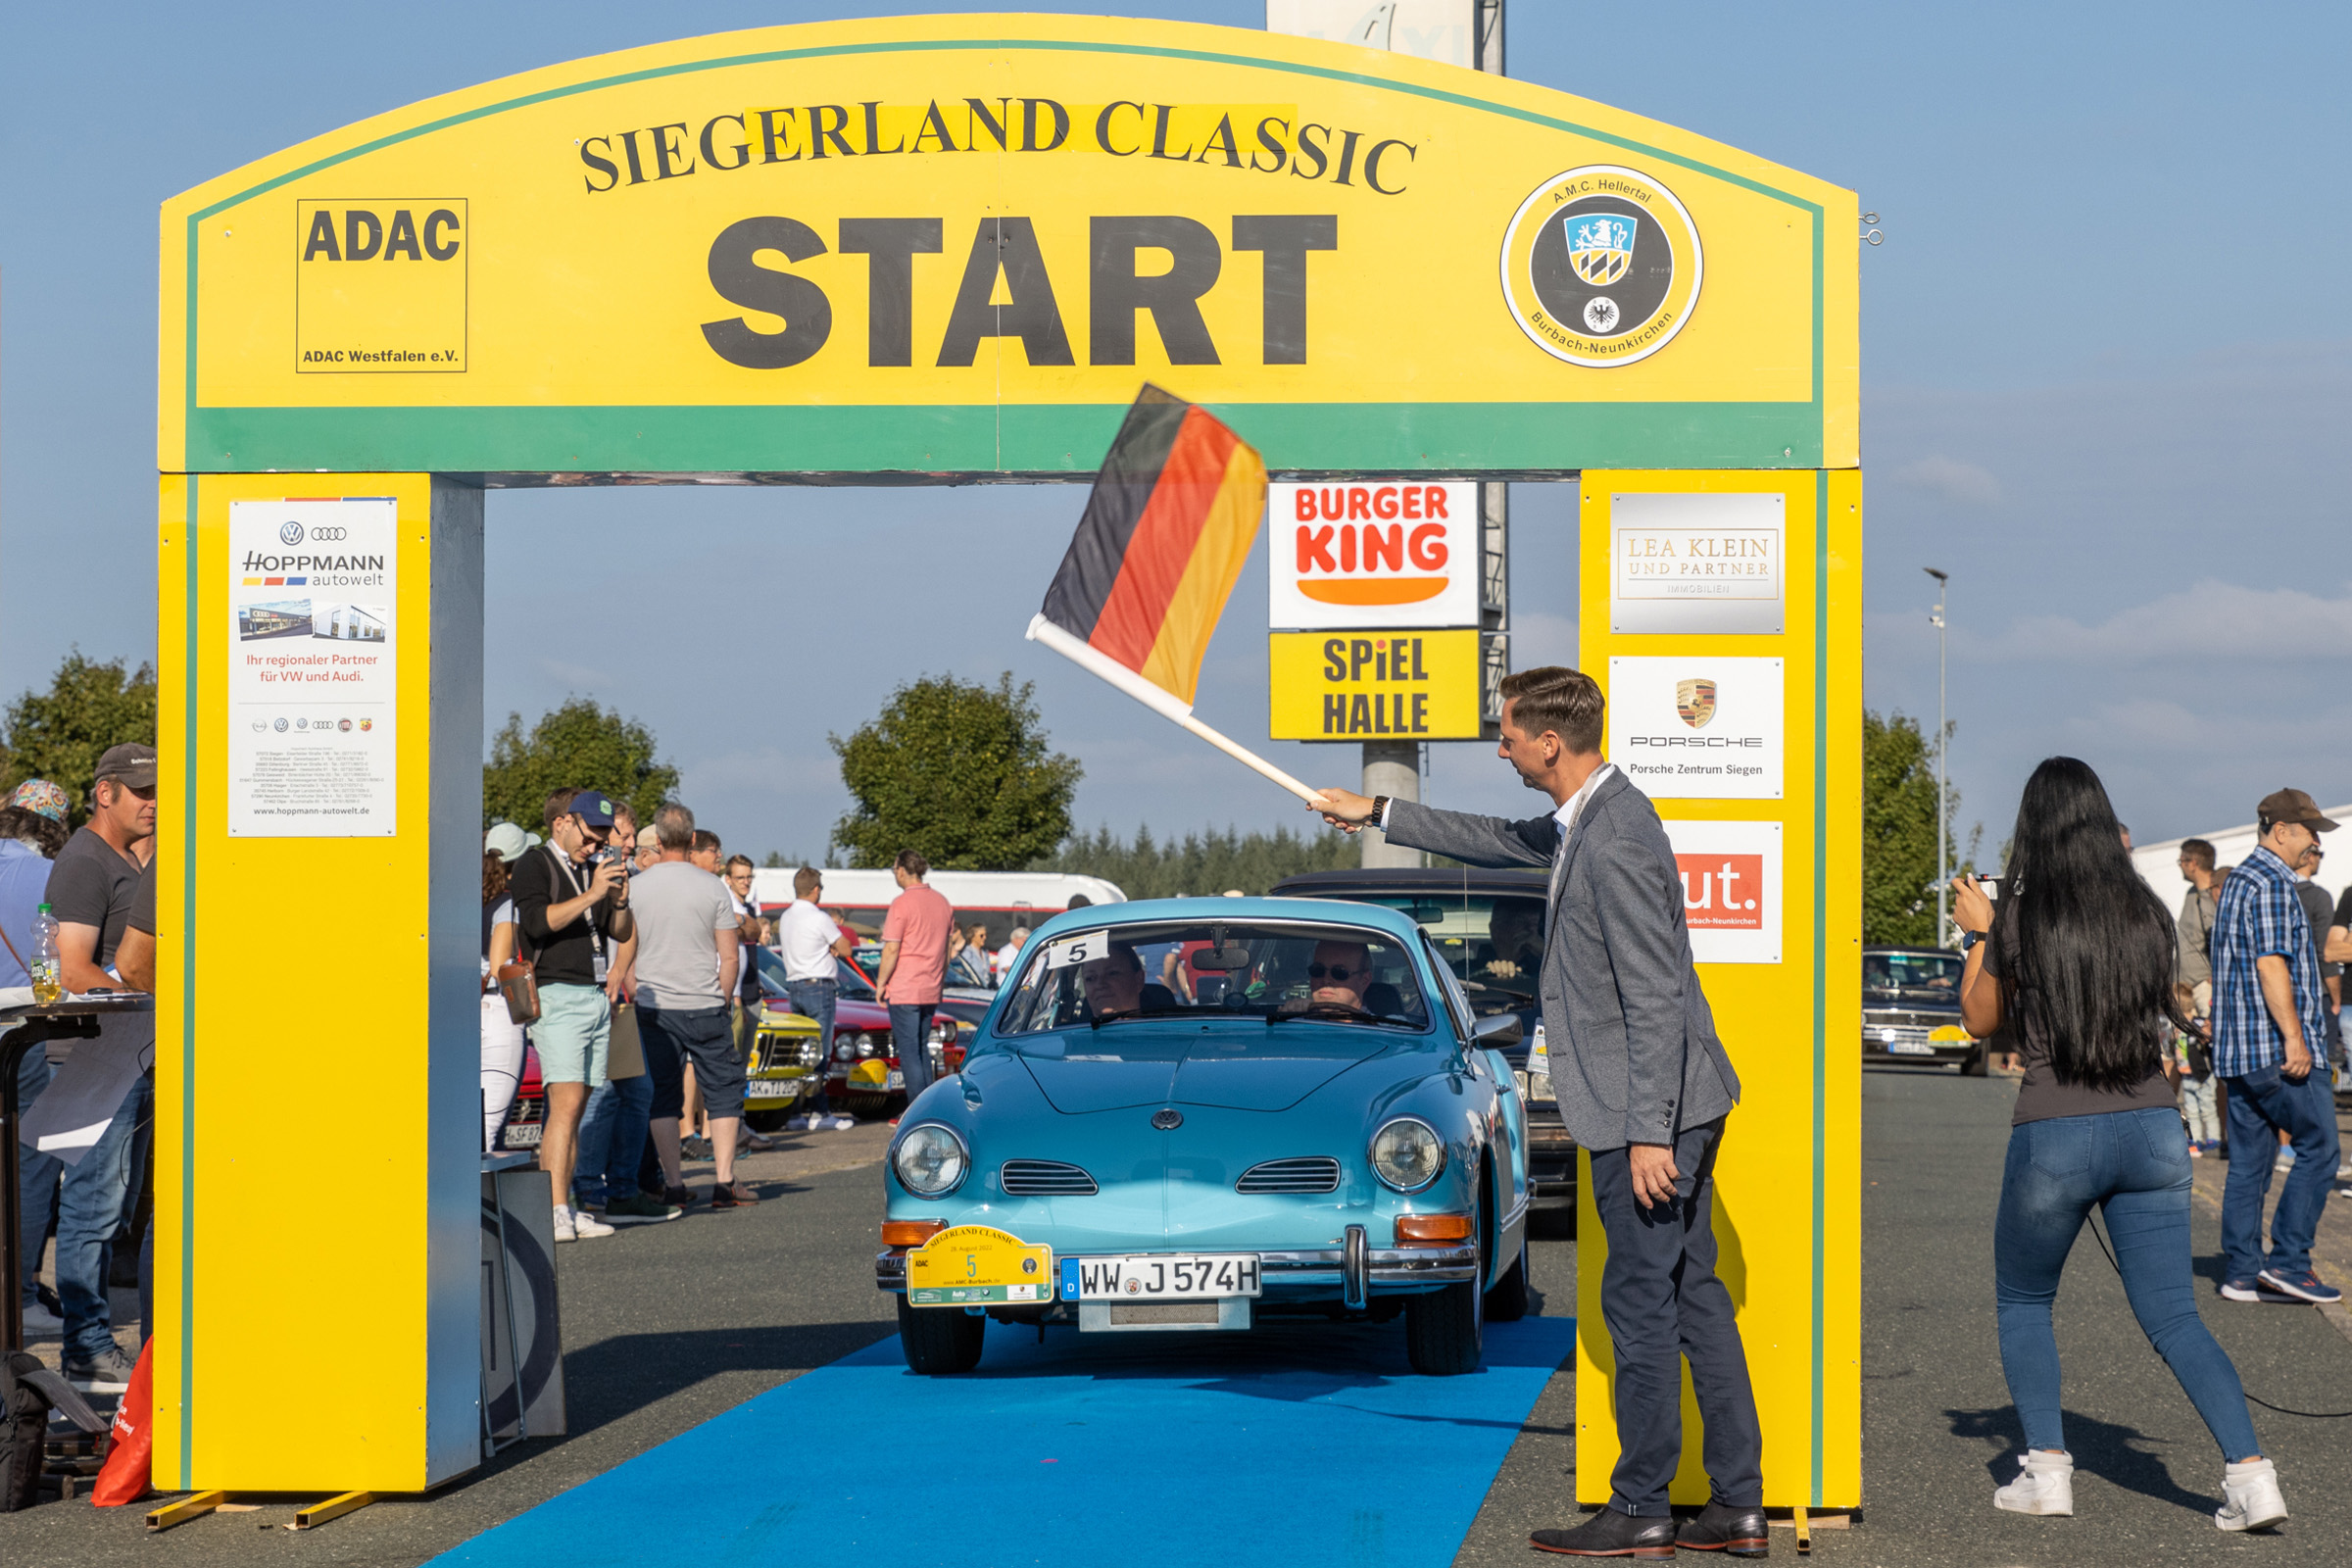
[(671, 1325)]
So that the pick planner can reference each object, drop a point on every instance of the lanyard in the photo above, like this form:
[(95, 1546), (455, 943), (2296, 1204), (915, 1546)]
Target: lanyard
[(595, 938)]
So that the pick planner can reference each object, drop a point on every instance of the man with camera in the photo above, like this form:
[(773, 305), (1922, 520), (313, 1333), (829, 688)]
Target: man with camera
[(571, 904)]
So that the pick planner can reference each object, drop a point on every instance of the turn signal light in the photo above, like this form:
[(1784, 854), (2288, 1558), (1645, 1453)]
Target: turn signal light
[(910, 1232), (1432, 1230)]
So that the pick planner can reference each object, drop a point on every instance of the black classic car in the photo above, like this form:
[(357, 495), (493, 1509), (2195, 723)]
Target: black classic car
[(1911, 1010), (1487, 928)]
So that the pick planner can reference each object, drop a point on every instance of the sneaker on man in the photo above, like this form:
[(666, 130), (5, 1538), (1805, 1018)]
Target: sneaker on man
[(2044, 1485), (2250, 1291), (732, 1195), (2285, 1161), (2250, 1496), (587, 1227), (40, 1322), (755, 1141), (106, 1372), (640, 1209), (2303, 1285), (682, 1197)]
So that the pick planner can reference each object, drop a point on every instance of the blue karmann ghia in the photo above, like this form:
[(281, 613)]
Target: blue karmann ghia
[(1207, 1113)]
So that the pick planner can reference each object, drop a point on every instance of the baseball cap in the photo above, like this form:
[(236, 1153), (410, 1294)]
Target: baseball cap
[(594, 807), (507, 841), (41, 797), (2293, 806), (131, 762)]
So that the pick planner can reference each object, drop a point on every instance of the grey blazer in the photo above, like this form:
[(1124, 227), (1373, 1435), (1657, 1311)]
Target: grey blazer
[(1635, 1057)]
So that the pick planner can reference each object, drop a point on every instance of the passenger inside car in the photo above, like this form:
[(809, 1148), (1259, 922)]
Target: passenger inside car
[(1515, 927)]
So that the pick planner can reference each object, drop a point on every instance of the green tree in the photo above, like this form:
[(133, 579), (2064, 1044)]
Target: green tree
[(61, 733), (577, 745), (957, 772), (1898, 832), (1204, 863)]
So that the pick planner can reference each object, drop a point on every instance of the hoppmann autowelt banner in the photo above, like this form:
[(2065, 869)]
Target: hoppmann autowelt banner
[(760, 250), (313, 682)]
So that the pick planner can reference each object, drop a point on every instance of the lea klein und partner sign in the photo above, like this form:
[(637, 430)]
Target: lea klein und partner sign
[(950, 245)]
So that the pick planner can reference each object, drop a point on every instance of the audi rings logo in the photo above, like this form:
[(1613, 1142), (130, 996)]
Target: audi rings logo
[(291, 533), (320, 534)]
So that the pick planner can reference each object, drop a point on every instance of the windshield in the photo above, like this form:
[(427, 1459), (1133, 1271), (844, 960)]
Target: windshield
[(1493, 943), (1275, 970), (1928, 976), (852, 985)]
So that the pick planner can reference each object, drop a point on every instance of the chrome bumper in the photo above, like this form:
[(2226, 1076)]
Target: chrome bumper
[(1388, 1268)]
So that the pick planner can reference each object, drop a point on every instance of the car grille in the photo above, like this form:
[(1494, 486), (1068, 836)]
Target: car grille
[(1045, 1178), (1314, 1173), (1874, 1034)]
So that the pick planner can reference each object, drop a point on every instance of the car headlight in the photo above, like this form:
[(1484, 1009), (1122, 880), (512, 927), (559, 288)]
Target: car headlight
[(865, 1044), (930, 1160), (844, 1049), (1408, 1154), (811, 1053)]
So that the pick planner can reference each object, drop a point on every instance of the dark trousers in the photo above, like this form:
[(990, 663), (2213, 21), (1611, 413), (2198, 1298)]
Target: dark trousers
[(1663, 1303), (911, 1037), (2262, 1105)]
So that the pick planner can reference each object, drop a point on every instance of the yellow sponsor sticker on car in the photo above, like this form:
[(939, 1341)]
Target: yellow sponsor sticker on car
[(1950, 1034), (978, 1265)]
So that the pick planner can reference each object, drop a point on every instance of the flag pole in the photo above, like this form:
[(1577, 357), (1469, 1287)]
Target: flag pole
[(1163, 703)]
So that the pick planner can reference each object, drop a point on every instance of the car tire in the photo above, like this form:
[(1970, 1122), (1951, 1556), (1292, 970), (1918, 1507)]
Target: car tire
[(939, 1339), (1445, 1329), (1506, 1302), (1978, 1063), (1553, 1224)]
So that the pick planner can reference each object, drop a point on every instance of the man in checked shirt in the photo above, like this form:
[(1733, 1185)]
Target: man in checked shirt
[(2269, 1022)]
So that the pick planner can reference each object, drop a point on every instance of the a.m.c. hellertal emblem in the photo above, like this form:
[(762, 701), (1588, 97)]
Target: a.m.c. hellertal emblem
[(1601, 266), (1695, 701)]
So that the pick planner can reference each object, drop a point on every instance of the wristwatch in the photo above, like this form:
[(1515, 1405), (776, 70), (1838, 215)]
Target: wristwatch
[(1379, 811), (1969, 939)]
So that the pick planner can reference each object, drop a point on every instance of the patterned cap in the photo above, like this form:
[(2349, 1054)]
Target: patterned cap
[(42, 798)]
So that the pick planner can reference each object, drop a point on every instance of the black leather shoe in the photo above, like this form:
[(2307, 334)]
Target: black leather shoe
[(1610, 1534), (1724, 1527)]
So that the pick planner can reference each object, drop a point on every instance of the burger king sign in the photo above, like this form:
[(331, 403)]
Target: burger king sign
[(1372, 554)]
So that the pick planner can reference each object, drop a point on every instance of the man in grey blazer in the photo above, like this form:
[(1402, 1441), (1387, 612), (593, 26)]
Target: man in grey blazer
[(1643, 1085)]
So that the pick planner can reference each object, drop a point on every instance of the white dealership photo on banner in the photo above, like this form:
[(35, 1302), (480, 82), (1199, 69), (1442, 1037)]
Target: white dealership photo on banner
[(312, 685), (1731, 889), (1695, 727), (1697, 564), (1367, 557)]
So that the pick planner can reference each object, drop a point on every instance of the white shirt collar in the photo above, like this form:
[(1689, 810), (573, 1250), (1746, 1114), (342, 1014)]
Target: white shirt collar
[(1570, 808)]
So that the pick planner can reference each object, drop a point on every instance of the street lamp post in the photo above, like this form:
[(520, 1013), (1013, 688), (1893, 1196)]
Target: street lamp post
[(1943, 874)]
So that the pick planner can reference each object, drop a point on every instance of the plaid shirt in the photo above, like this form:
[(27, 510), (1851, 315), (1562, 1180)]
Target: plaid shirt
[(2260, 916)]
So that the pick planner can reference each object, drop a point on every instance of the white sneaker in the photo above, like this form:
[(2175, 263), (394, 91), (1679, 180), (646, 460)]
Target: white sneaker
[(801, 1124), (2044, 1485), (842, 1124), (563, 1223), (40, 1323), (2251, 1498), (586, 1226)]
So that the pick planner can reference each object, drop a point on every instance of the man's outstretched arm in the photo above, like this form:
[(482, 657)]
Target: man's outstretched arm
[(1475, 840)]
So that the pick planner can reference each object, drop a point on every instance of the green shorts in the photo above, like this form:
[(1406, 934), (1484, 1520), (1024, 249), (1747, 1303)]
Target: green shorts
[(572, 1035)]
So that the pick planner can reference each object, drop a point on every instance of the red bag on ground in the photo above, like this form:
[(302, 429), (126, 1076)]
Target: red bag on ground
[(131, 1451)]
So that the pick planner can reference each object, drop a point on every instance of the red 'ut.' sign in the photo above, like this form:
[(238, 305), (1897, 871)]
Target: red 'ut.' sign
[(1722, 892)]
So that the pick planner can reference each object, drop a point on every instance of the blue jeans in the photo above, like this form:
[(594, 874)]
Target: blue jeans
[(93, 1197), (2262, 1105), (36, 1178), (814, 998), (911, 1036), (612, 1130), (2133, 1164)]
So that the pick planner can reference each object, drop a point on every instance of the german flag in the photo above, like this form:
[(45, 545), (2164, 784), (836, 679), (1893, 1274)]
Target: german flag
[(1166, 530)]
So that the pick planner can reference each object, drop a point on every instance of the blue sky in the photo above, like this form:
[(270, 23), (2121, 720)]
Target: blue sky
[(2107, 369)]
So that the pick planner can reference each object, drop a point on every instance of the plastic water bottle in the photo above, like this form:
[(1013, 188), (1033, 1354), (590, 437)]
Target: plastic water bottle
[(46, 966)]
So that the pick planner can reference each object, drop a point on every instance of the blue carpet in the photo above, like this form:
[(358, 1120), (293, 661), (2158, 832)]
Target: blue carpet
[(1298, 1446)]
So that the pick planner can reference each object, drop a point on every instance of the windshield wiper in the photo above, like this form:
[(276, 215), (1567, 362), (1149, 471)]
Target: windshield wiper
[(1340, 1010), (1124, 1014)]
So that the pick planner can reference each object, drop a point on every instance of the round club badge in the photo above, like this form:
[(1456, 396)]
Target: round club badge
[(1601, 266)]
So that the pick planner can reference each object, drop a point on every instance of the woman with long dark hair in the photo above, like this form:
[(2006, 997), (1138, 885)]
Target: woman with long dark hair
[(2079, 959)]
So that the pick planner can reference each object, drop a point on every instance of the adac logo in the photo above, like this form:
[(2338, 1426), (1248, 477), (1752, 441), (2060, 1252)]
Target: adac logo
[(1695, 701), (1601, 266)]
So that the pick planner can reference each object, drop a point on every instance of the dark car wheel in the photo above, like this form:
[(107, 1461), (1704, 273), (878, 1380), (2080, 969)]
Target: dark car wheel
[(939, 1339), (1506, 1302), (1553, 1224), (1445, 1329), (1976, 1063)]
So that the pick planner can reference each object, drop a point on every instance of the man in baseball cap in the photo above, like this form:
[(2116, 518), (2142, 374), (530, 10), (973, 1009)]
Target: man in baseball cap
[(129, 763), (2270, 1023)]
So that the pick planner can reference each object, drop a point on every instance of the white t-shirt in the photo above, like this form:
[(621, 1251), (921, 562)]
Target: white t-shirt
[(804, 935)]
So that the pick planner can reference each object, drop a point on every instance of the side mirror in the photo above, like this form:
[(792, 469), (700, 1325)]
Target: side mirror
[(1497, 1031)]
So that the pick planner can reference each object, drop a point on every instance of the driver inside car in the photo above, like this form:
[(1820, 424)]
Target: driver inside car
[(1114, 982), (1339, 974)]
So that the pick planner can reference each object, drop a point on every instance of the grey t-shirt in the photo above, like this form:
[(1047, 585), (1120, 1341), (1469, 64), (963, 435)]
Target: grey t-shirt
[(93, 884), (680, 911), (2041, 1095), (2320, 910)]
